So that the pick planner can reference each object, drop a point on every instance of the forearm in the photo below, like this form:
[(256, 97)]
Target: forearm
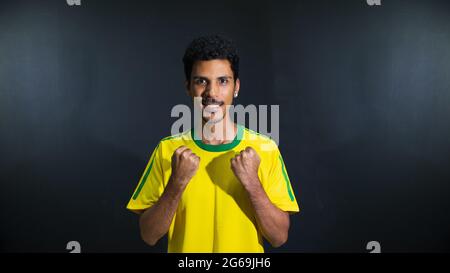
[(273, 222), (155, 221)]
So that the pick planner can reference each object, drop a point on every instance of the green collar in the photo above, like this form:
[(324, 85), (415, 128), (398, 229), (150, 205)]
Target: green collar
[(220, 147)]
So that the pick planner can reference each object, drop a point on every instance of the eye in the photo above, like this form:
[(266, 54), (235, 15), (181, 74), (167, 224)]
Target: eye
[(223, 81), (200, 81)]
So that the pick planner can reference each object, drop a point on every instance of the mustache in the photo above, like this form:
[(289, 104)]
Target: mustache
[(206, 101)]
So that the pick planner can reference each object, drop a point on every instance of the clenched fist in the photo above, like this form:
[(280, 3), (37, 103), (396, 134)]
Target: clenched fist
[(184, 166), (245, 166)]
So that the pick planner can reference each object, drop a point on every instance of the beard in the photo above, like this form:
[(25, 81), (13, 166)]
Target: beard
[(213, 118)]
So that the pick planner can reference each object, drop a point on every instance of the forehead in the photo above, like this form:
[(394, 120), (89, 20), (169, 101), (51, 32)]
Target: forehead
[(212, 68)]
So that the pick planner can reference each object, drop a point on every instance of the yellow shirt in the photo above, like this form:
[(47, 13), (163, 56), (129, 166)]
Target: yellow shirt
[(215, 213)]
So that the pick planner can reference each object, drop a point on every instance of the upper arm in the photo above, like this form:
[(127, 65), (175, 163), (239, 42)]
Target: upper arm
[(279, 188), (150, 186)]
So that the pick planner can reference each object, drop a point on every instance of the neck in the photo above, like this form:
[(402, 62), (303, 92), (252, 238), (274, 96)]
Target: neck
[(218, 133)]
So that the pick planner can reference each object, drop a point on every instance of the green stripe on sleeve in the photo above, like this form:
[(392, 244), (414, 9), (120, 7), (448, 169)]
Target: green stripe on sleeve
[(144, 179), (286, 178)]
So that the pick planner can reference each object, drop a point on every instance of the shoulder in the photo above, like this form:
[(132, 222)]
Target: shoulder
[(260, 141), (172, 142), (177, 137)]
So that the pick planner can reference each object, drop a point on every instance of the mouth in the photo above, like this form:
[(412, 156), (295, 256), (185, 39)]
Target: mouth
[(211, 106)]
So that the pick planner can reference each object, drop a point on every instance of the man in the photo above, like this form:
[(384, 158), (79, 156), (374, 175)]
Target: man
[(218, 193)]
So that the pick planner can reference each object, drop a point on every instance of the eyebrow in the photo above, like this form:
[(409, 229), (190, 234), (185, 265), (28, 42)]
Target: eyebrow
[(205, 78)]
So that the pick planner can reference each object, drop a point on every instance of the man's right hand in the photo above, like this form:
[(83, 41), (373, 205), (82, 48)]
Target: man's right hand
[(156, 220), (184, 166)]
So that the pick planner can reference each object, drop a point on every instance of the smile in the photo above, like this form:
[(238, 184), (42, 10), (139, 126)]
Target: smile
[(212, 108)]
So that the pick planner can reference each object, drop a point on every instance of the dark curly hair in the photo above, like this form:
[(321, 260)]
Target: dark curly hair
[(209, 48)]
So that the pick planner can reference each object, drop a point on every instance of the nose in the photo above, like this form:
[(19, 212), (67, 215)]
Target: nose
[(212, 90)]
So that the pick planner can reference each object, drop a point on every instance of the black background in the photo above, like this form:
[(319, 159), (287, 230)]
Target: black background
[(364, 93)]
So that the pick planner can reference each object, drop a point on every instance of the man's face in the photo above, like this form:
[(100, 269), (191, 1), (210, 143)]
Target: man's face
[(213, 81)]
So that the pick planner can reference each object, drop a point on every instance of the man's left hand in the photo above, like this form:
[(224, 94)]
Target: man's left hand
[(245, 166)]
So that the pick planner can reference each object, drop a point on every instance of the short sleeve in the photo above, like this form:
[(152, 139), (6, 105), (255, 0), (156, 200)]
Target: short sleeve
[(151, 185), (280, 191)]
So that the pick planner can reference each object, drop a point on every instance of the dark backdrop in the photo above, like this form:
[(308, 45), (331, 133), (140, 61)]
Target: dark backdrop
[(86, 93)]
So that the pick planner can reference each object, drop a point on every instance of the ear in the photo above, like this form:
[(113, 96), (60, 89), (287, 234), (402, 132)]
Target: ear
[(237, 86), (188, 91)]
